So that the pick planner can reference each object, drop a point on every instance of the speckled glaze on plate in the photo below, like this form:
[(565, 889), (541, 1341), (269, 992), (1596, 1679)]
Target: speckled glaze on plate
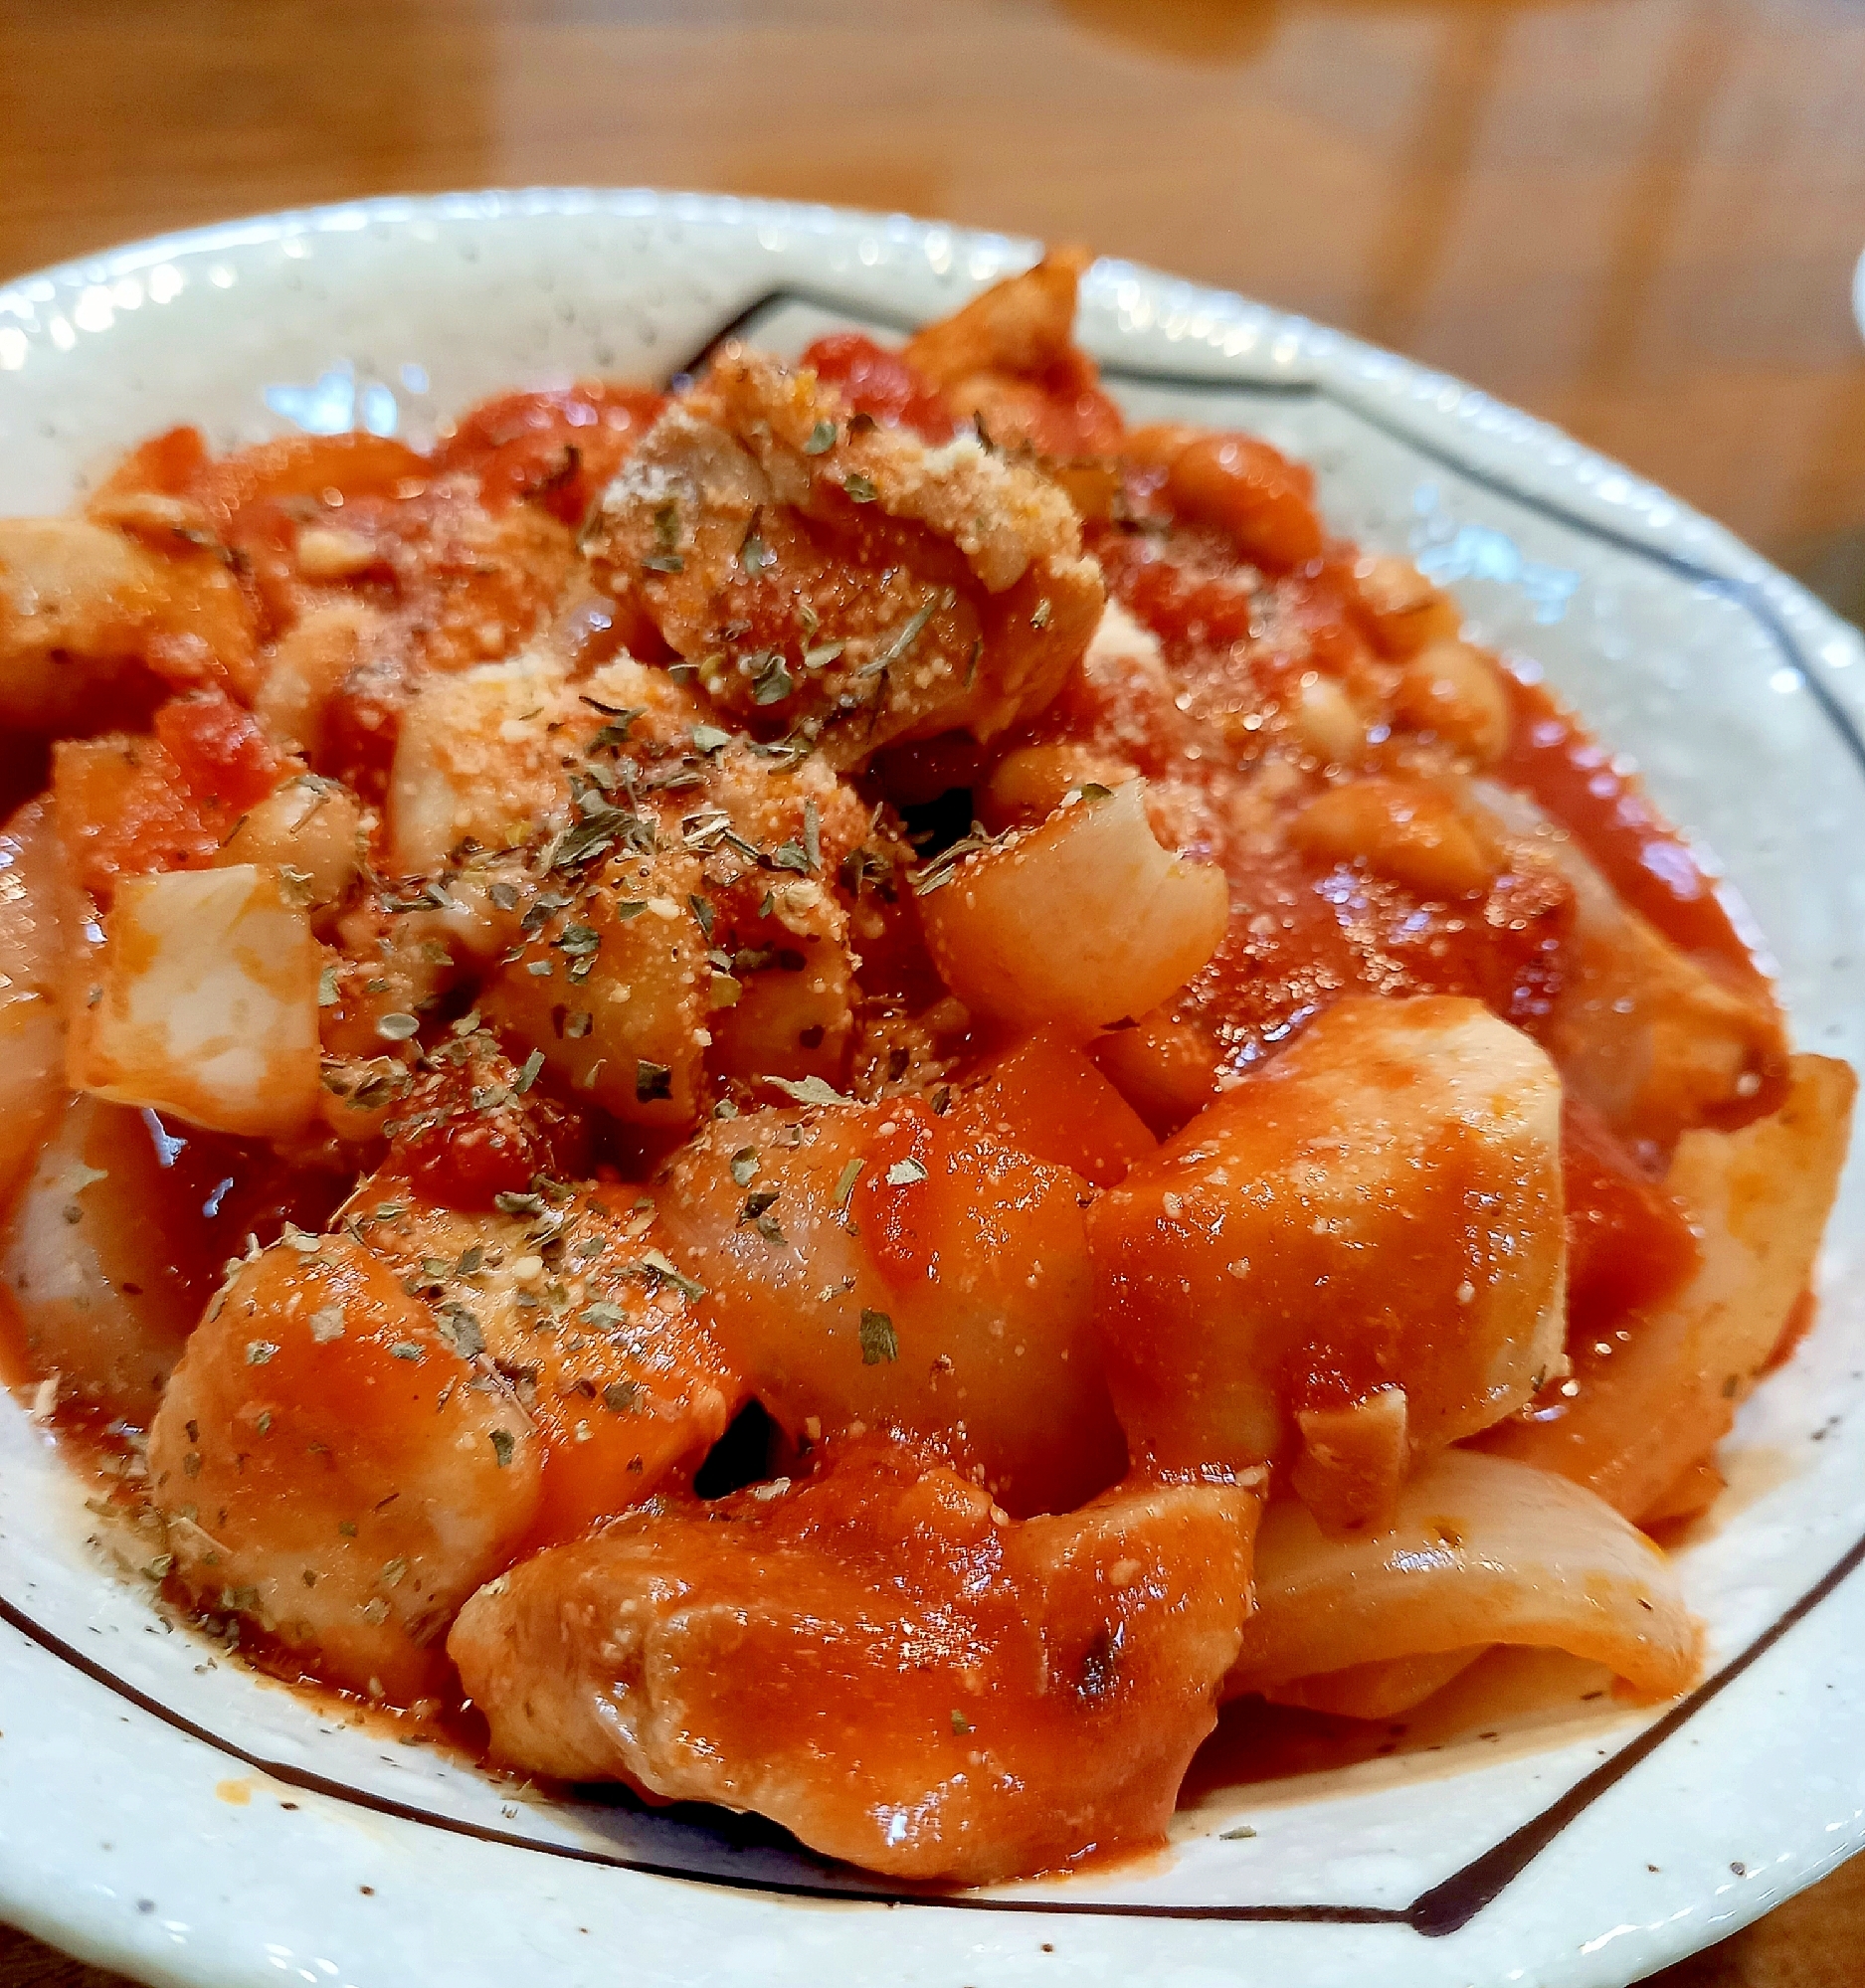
[(187, 1822)]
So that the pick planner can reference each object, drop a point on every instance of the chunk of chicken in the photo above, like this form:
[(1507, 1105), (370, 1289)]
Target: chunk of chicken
[(609, 987), (681, 901), (608, 1349), (88, 614), (887, 1264), (333, 1464), (784, 846), (880, 1661), (1353, 1256), (1024, 325), (844, 580), (1008, 361), (486, 754)]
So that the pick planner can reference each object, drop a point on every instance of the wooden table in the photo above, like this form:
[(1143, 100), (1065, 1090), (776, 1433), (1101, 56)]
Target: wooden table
[(1638, 218)]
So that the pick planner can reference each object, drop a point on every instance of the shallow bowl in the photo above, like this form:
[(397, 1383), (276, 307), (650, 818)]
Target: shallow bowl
[(182, 1818)]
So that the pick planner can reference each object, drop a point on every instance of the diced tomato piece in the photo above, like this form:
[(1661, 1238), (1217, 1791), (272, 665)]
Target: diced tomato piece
[(555, 448), (306, 465), (890, 1202), (456, 1148), (874, 381), (130, 806), (123, 809), (1629, 1242), (221, 755), (1047, 1099), (168, 464)]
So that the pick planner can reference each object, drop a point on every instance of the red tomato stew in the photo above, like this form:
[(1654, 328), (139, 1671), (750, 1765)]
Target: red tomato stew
[(851, 1089)]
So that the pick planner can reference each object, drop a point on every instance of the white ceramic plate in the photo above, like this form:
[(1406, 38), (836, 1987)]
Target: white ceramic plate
[(187, 1822)]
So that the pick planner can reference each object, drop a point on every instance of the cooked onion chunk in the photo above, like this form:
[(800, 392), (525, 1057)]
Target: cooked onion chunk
[(880, 1661), (76, 1262), (1080, 923), (1379, 1210), (486, 754), (205, 1001), (1477, 1550)]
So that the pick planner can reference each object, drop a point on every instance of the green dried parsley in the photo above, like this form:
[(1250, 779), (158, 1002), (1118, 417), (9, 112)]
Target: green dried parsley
[(771, 681), (806, 1090), (881, 1344)]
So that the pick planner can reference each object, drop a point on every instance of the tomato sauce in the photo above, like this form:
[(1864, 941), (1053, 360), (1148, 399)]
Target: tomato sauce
[(1629, 1243), (880, 384), (17, 1367), (1551, 756), (557, 447)]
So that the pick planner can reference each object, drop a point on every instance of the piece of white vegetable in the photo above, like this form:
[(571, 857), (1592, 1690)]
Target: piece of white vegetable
[(1079, 922), (204, 1002), (1481, 1549)]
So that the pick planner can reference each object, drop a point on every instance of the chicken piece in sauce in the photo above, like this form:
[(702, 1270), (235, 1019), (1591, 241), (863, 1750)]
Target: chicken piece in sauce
[(893, 1264), (332, 1463), (879, 1659), (837, 580), (1355, 1256)]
